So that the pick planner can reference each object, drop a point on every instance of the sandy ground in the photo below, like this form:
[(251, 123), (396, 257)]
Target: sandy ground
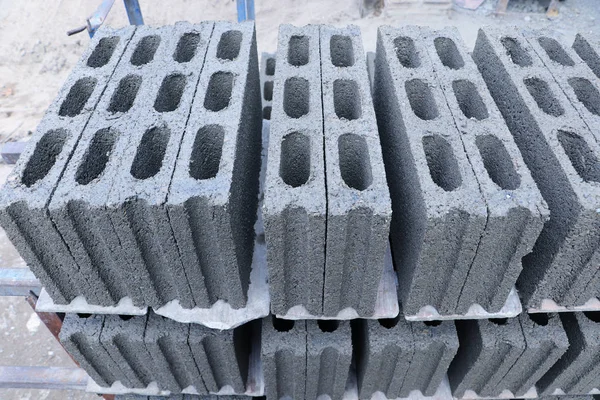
[(36, 56)]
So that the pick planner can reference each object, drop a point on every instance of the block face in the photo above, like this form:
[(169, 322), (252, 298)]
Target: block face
[(328, 358), (549, 132), (30, 186), (516, 209), (358, 203), (439, 214), (283, 355), (268, 66), (295, 206), (213, 196)]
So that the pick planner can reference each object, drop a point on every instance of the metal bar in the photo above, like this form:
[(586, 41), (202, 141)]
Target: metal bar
[(134, 12), (501, 7), (241, 10), (53, 321), (43, 378), (99, 16), (250, 10), (18, 282)]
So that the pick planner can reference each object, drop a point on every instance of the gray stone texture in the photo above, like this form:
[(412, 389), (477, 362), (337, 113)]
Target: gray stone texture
[(25, 196), (295, 205), (439, 214), (358, 202), (267, 76), (213, 197)]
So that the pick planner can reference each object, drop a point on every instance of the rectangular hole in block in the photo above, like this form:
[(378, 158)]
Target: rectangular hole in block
[(150, 153), (267, 112), (145, 50), (206, 152), (124, 95), (421, 99), (78, 95), (268, 90), (469, 100), (406, 52), (103, 52), (448, 53), (218, 92), (170, 92), (355, 162), (186, 47), (581, 156), (270, 67), (587, 94), (298, 50), (341, 51), (543, 96), (555, 51), (346, 99), (44, 156), (497, 162), (97, 156), (296, 96), (442, 163), (516, 52), (229, 45), (294, 162)]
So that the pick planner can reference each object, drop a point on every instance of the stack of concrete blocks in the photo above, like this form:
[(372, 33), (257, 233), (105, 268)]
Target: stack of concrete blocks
[(267, 74), (327, 207), (140, 350), (562, 154)]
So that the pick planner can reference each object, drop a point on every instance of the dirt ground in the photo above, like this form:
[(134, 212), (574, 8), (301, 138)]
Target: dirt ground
[(36, 55)]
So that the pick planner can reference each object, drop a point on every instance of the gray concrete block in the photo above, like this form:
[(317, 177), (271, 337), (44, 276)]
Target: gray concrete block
[(488, 349), (561, 154), (515, 207), (295, 204), (576, 372), (439, 214), (222, 356), (267, 79), (283, 356), (358, 202), (328, 358), (213, 196), (28, 190)]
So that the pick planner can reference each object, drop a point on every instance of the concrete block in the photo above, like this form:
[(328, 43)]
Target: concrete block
[(328, 358), (576, 372), (488, 349), (295, 204), (283, 355), (213, 196), (358, 202), (561, 154), (267, 78), (439, 214), (29, 187), (515, 207)]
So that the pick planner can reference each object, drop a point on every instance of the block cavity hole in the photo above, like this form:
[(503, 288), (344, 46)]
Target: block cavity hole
[(296, 97), (96, 156), (44, 156), (206, 152), (448, 53), (270, 69), (341, 51), (421, 99), (587, 94), (298, 50), (543, 96), (469, 100), (442, 163), (346, 99), (125, 94), (555, 51), (170, 92), (150, 153), (268, 90), (328, 325), (103, 52), (218, 93), (389, 323), (587, 53), (497, 162), (186, 47), (432, 323), (581, 156), (406, 52), (517, 54), (541, 319), (355, 163), (267, 112), (229, 45), (593, 316), (78, 95), (145, 50), (282, 325), (499, 321), (294, 162)]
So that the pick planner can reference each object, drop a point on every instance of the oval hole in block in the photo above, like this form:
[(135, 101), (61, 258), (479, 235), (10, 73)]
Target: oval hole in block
[(44, 156), (341, 51), (587, 94), (421, 99), (268, 90), (555, 51), (282, 325), (543, 96), (124, 95), (328, 325), (541, 319), (218, 93), (581, 156), (448, 53), (78, 95), (103, 52), (355, 162), (170, 92), (499, 321), (406, 52), (296, 96), (270, 67), (298, 50), (150, 153), (497, 162), (469, 100), (442, 163), (294, 163), (346, 99), (186, 47), (229, 45), (517, 54), (206, 152), (389, 323), (145, 50), (96, 156)]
